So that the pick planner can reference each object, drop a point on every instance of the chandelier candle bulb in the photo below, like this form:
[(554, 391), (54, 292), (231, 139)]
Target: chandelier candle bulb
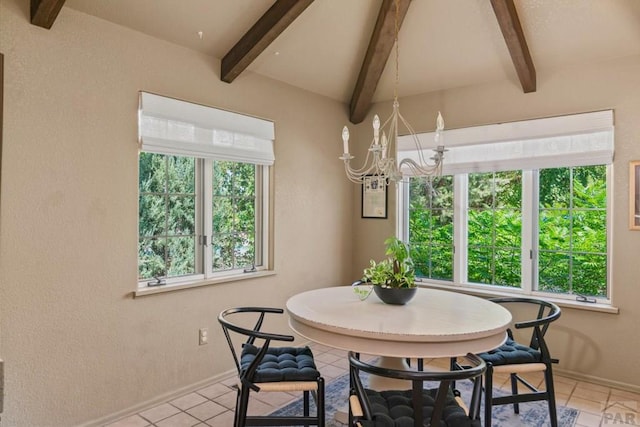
[(345, 140), (439, 129), (440, 122)]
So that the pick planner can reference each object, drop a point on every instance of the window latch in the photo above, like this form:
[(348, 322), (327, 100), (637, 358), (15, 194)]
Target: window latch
[(584, 298), (203, 240), (158, 282), (251, 269)]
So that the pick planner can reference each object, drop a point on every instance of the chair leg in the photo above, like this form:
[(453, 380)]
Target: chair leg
[(305, 401), (236, 415), (488, 395), (514, 391), (320, 402), (476, 397), (551, 396), (453, 366), (242, 405)]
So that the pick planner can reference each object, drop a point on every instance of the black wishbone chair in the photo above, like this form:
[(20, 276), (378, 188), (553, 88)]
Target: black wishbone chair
[(515, 359), (262, 368), (416, 406)]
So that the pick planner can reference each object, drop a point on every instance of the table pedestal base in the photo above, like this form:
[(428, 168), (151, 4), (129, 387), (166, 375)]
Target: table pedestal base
[(381, 383)]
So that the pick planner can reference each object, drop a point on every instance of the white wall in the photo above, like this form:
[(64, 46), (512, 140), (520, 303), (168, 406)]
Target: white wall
[(76, 345), (591, 345)]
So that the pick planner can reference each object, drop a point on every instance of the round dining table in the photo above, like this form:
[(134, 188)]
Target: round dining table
[(435, 323)]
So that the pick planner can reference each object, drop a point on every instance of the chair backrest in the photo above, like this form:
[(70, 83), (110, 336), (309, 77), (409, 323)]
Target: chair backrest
[(547, 312), (475, 368), (253, 334)]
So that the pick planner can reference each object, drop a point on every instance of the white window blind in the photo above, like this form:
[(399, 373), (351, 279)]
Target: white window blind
[(574, 140), (172, 126)]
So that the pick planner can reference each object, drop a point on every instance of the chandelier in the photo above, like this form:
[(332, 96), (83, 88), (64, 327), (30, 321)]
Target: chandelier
[(380, 160)]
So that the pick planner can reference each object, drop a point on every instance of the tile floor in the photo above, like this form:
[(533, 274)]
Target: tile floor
[(213, 405)]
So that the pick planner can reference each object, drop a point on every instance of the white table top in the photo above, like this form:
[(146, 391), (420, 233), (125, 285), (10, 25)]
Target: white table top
[(434, 323)]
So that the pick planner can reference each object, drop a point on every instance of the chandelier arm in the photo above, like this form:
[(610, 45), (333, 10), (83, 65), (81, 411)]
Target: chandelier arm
[(386, 122), (420, 170), (365, 168), (416, 141), (377, 167)]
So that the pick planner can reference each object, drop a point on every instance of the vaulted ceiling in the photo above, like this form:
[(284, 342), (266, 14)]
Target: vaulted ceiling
[(341, 48)]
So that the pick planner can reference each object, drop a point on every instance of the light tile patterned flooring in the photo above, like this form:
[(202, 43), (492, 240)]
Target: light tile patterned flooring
[(213, 405)]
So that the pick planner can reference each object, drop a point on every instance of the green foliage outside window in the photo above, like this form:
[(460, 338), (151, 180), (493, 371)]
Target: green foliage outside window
[(571, 229), (494, 228), (431, 226), (234, 224), (166, 213), (168, 242), (573, 234)]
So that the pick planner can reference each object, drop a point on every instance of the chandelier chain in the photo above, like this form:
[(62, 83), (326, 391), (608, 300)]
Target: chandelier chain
[(397, 47)]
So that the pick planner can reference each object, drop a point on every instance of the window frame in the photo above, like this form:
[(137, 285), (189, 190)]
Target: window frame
[(472, 150), (174, 127), (528, 246), (261, 233), (203, 228)]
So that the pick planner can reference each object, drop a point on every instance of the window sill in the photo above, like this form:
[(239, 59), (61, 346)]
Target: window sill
[(492, 293), (143, 292)]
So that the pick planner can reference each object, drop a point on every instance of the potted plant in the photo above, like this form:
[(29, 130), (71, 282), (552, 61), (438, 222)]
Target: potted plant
[(393, 278)]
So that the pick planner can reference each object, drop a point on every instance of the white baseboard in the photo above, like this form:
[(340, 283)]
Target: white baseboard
[(597, 380), (132, 410)]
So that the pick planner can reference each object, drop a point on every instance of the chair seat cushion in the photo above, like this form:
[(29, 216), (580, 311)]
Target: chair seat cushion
[(393, 408), (281, 364), (511, 353)]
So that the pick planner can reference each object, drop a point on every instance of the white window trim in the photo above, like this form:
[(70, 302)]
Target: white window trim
[(203, 256), (527, 269), (549, 127), (489, 291), (178, 286)]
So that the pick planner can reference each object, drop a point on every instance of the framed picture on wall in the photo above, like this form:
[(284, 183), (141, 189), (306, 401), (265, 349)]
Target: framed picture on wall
[(634, 195), (374, 197)]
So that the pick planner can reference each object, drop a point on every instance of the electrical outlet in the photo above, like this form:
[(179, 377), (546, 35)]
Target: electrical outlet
[(203, 336)]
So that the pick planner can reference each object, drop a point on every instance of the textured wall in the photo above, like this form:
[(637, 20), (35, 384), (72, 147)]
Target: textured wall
[(589, 344), (76, 346)]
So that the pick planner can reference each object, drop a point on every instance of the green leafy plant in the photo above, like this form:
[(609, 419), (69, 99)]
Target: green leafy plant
[(397, 271)]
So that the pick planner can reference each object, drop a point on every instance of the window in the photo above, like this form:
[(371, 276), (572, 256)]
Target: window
[(431, 227), (572, 230), (494, 224), (234, 216), (166, 216), (203, 192), (528, 216)]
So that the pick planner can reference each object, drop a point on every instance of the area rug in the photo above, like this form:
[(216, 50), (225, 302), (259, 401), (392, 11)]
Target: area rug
[(532, 414)]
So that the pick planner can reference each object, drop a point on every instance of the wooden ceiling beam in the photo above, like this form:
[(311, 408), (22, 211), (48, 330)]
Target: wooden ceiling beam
[(45, 12), (380, 46), (509, 23), (266, 29)]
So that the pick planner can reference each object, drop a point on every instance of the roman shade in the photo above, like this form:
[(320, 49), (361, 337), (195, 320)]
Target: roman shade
[(563, 141), (175, 127)]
